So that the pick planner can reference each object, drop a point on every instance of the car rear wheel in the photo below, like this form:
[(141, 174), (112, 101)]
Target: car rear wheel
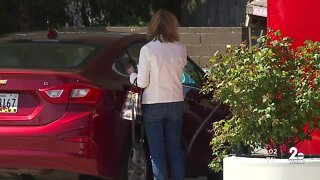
[(25, 177), (215, 176), (87, 177), (136, 164)]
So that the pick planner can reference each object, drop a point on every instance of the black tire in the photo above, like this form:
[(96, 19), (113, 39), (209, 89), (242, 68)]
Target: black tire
[(216, 176), (24, 177), (87, 177), (143, 165)]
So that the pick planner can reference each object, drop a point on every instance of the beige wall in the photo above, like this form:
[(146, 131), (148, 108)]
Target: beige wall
[(201, 42)]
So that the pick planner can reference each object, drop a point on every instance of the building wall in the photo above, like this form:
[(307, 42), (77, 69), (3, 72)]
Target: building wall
[(201, 42), (213, 13)]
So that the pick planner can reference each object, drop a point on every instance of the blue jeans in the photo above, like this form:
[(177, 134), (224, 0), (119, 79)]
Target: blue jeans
[(163, 123)]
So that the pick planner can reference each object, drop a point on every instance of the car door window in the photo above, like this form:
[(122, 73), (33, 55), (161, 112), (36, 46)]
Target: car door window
[(192, 76), (129, 57)]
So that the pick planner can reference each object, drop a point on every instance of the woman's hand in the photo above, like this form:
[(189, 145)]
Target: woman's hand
[(131, 70)]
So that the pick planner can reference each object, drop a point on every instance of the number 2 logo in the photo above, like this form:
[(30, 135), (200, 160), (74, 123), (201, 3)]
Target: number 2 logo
[(295, 155)]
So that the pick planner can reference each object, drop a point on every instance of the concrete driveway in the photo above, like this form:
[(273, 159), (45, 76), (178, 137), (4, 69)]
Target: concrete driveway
[(58, 175)]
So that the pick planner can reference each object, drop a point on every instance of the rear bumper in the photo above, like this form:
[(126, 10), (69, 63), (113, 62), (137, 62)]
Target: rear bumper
[(22, 159), (80, 144)]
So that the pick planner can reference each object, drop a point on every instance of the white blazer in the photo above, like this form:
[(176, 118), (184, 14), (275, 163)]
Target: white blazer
[(159, 72)]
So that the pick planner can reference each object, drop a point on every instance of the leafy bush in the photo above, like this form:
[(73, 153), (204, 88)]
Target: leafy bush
[(271, 89)]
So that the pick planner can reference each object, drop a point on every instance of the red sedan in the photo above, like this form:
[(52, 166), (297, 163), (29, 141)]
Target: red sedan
[(60, 100)]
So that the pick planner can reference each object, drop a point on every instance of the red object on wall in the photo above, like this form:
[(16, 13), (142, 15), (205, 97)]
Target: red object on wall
[(299, 19)]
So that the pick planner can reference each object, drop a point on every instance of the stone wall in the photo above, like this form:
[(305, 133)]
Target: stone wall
[(201, 42)]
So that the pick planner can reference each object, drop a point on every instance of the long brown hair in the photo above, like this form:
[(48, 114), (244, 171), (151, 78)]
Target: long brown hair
[(163, 26)]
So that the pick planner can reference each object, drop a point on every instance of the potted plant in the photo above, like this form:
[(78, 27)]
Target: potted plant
[(272, 91)]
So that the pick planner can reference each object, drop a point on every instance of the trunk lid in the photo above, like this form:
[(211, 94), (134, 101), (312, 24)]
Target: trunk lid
[(21, 102)]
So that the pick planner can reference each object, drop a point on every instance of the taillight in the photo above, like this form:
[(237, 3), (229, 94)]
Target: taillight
[(72, 93), (54, 93)]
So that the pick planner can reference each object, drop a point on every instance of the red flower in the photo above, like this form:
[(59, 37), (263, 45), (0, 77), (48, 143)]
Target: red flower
[(311, 84), (279, 95), (283, 60)]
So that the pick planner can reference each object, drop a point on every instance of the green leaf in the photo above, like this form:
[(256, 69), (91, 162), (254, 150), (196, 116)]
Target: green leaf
[(270, 98)]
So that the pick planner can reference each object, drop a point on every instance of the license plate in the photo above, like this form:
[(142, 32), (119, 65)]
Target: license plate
[(8, 103)]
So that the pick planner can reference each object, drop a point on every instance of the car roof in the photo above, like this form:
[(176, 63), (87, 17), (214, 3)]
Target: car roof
[(90, 37)]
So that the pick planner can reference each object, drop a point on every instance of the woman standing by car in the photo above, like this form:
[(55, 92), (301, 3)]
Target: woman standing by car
[(160, 69)]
